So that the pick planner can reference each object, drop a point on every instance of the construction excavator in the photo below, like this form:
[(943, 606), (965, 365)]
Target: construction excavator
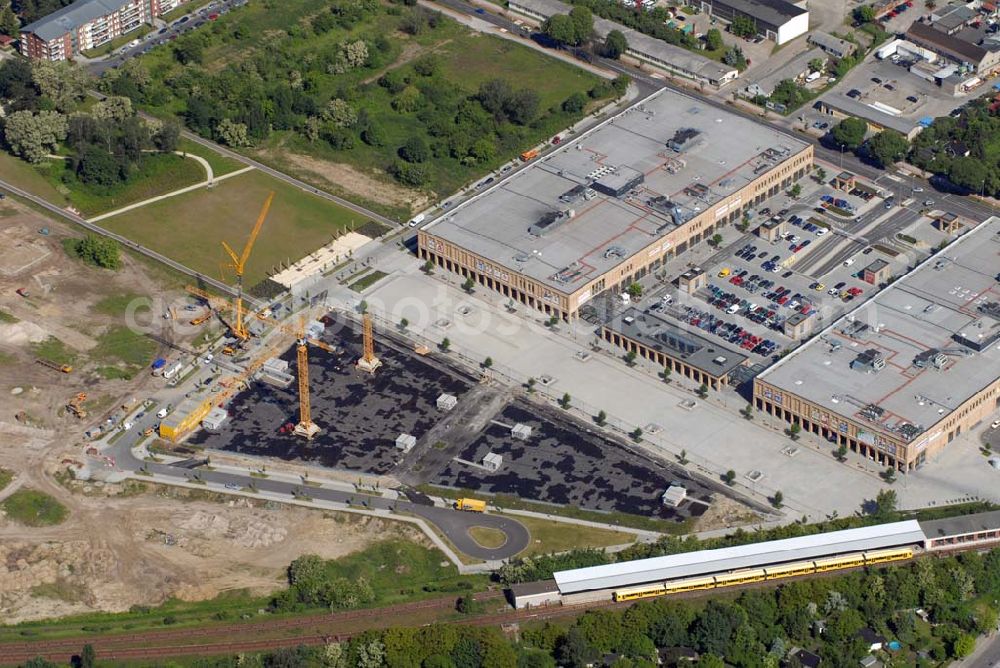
[(75, 405)]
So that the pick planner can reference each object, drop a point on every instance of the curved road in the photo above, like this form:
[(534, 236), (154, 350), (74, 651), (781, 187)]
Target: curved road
[(453, 524)]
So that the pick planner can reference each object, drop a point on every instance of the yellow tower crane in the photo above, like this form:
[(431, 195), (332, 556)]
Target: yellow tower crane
[(305, 428), (239, 264), (368, 362)]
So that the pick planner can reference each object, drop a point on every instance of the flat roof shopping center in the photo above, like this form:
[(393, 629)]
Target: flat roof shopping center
[(615, 203), (901, 376)]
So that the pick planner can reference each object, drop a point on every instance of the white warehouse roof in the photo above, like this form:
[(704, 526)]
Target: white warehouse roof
[(725, 559)]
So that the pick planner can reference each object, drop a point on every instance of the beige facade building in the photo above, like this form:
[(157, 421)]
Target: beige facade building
[(615, 203), (903, 375)]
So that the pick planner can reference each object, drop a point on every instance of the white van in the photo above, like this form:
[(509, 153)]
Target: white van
[(626, 299), (848, 262), (419, 218), (733, 309)]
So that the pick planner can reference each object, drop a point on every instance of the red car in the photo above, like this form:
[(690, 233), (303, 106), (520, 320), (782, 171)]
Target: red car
[(556, 139), (212, 17)]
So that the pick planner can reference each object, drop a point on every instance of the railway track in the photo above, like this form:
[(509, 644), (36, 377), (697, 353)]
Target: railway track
[(168, 640), (165, 644)]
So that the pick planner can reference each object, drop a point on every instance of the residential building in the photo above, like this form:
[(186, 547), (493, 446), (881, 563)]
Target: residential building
[(778, 20), (87, 24)]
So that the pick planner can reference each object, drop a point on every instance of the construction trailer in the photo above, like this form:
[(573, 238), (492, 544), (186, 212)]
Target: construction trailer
[(214, 420), (184, 418)]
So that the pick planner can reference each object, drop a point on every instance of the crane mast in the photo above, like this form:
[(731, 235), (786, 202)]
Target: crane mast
[(239, 264)]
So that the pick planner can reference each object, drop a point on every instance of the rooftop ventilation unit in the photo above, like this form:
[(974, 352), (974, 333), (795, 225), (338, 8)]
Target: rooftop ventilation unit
[(932, 357), (684, 140), (573, 194), (909, 431), (615, 251), (668, 208), (550, 221), (872, 412), (869, 361), (854, 329)]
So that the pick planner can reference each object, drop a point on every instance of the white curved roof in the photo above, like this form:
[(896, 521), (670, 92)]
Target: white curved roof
[(689, 564)]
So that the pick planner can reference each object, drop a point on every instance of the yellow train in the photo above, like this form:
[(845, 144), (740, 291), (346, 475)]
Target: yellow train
[(745, 576)]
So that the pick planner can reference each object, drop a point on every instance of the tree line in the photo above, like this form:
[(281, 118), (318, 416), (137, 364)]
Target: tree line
[(104, 146), (414, 118), (933, 607), (939, 148)]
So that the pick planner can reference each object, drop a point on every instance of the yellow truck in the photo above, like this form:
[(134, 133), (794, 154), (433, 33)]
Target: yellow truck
[(472, 505)]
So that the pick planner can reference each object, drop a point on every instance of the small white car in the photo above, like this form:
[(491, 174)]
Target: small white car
[(208, 358), (126, 426), (162, 413), (995, 424), (848, 262), (821, 231)]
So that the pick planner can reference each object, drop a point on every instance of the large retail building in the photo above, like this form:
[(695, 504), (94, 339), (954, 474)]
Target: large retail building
[(614, 203), (901, 376)]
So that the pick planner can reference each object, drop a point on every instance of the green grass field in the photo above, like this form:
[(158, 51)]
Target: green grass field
[(158, 174), (190, 227), (122, 353), (465, 60), (472, 58), (551, 536), (366, 282), (33, 508), (6, 477), (24, 176), (53, 350)]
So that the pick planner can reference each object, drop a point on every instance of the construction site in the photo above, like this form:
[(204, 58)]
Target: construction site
[(293, 382)]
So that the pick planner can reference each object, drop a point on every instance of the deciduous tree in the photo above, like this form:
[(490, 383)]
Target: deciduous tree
[(32, 136), (850, 132), (615, 44)]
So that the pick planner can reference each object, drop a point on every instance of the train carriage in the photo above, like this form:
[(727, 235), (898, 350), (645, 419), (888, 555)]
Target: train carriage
[(634, 593), (689, 584), (740, 577), (790, 570), (842, 561), (883, 556)]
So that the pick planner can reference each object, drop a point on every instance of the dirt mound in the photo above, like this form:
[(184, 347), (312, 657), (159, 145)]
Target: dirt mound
[(21, 333), (250, 532)]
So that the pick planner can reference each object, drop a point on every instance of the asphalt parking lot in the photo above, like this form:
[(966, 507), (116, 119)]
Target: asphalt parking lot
[(360, 415), (892, 84), (566, 463)]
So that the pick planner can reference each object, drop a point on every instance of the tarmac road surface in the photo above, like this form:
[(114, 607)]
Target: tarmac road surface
[(453, 524)]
